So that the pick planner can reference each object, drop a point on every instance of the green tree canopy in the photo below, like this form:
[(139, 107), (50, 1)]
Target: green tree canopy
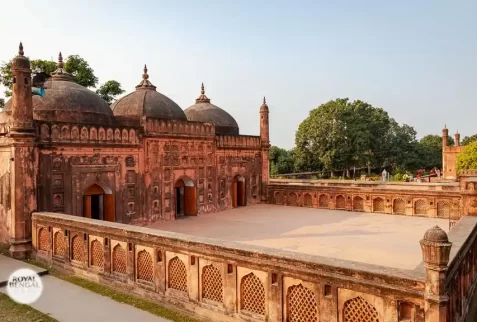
[(75, 65), (469, 139), (467, 159), (281, 161), (2, 102), (109, 90), (82, 72), (341, 134)]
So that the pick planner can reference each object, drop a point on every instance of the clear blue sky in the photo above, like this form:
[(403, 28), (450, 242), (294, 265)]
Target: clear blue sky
[(416, 59)]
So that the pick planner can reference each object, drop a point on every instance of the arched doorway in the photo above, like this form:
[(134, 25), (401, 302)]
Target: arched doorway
[(238, 191), (98, 203), (185, 197)]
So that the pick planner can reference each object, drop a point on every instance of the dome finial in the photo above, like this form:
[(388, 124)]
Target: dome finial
[(145, 75), (264, 100), (202, 98), (20, 49), (60, 60), (145, 83)]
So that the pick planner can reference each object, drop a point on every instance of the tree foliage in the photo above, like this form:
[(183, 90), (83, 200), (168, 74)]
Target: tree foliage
[(75, 65), (109, 90), (82, 72), (341, 134), (467, 159), (469, 139), (281, 161), (2, 102)]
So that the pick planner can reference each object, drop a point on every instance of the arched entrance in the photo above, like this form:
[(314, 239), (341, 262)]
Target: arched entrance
[(238, 192), (98, 203), (185, 197)]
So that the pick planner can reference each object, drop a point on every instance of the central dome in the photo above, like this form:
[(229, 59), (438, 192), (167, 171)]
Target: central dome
[(146, 101), (67, 101), (205, 112)]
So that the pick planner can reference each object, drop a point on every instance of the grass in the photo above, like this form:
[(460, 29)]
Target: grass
[(11, 311), (118, 296)]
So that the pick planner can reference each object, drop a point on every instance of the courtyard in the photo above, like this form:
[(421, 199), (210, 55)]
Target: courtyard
[(377, 239)]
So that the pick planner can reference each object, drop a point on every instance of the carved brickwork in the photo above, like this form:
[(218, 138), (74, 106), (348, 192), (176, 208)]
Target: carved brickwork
[(82, 134)]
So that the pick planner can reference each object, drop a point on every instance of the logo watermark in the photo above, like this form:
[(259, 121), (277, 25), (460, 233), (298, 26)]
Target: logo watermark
[(24, 286)]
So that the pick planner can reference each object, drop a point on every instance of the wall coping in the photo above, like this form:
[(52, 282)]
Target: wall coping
[(267, 258), (462, 236)]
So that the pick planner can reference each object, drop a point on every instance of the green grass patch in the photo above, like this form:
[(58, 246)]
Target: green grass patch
[(11, 311), (140, 303)]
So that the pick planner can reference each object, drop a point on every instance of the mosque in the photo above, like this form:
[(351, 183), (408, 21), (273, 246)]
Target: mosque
[(140, 160)]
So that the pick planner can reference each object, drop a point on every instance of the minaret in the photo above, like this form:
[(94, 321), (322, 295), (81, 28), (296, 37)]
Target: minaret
[(445, 141), (457, 138), (445, 137), (23, 159), (265, 139), (22, 103)]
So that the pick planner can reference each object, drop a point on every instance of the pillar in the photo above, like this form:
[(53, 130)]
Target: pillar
[(457, 139), (24, 161), (265, 147), (435, 251)]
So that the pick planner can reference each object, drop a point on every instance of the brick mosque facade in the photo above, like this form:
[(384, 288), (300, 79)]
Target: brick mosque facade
[(68, 158), (141, 160)]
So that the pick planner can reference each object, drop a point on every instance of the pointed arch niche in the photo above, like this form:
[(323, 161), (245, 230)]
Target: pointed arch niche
[(98, 203)]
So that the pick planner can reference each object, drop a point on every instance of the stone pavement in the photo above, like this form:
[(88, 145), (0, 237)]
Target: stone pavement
[(371, 238), (67, 302)]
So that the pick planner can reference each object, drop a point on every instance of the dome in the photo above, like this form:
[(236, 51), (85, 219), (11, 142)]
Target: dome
[(67, 101), (205, 112), (436, 234), (146, 101), (264, 107)]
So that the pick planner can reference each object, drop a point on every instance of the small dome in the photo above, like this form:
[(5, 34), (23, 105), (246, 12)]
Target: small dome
[(20, 61), (436, 234), (205, 112), (146, 101), (264, 107), (67, 101)]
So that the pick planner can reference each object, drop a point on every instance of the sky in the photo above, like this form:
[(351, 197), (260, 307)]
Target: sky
[(415, 59)]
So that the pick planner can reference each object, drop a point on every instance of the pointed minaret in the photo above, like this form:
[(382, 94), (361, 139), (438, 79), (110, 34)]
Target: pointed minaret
[(23, 165), (265, 142), (22, 103)]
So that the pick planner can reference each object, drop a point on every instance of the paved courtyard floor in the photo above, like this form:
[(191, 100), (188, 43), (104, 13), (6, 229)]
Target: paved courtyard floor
[(379, 239)]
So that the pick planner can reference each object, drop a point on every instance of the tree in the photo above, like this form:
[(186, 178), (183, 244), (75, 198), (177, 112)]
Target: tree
[(469, 139), (109, 90), (82, 72), (400, 148), (430, 150), (467, 159), (340, 135), (75, 65), (281, 161), (2, 102)]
